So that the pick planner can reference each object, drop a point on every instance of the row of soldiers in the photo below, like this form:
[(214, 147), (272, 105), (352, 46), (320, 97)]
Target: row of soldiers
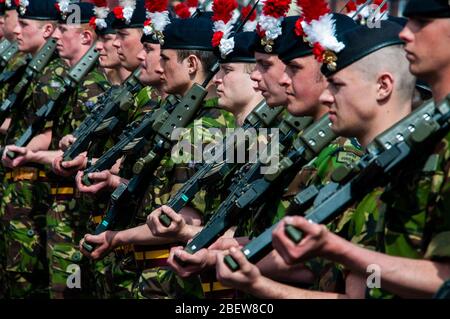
[(100, 200)]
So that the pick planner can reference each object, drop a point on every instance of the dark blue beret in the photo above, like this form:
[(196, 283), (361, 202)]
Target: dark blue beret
[(427, 8), (362, 41), (242, 51), (293, 46), (137, 19), (39, 10), (189, 34), (86, 13)]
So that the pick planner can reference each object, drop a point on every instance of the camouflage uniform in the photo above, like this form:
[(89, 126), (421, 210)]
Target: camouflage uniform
[(156, 279), (408, 218), (341, 151), (67, 218), (25, 199), (112, 280)]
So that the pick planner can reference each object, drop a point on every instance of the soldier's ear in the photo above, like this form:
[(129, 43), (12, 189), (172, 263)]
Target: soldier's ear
[(48, 29), (87, 37), (385, 86), (193, 64)]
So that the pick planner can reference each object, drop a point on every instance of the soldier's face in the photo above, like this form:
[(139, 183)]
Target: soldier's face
[(128, 45), (234, 87), (150, 58), (303, 83), (11, 20), (109, 58), (348, 97), (2, 25), (68, 39), (427, 46), (268, 71), (29, 35), (175, 75)]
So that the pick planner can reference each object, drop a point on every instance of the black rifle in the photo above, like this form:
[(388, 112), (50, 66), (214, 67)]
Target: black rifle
[(104, 119), (5, 58), (261, 116), (46, 112), (32, 70), (4, 44), (252, 188), (351, 183)]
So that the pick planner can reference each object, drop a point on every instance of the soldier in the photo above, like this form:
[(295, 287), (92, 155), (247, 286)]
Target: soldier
[(2, 19), (413, 212), (186, 58), (65, 220), (25, 197), (16, 63), (303, 100)]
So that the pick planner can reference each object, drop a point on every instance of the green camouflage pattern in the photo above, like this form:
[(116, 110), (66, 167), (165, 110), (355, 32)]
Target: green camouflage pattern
[(318, 172), (113, 280), (161, 282), (407, 218), (25, 202), (18, 60), (67, 219)]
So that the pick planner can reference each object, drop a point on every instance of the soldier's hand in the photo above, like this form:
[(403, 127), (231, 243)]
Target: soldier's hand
[(243, 278), (313, 243), (103, 244), (176, 227), (66, 141), (192, 264), (225, 243), (69, 168), (22, 156), (104, 180)]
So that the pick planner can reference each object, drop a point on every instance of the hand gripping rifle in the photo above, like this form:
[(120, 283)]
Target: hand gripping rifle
[(104, 119), (252, 188), (46, 112), (351, 183)]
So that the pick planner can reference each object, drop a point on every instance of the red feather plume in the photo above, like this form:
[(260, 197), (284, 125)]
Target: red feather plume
[(377, 3), (246, 10), (156, 5), (100, 3), (223, 10), (192, 3), (182, 10), (313, 9), (276, 8)]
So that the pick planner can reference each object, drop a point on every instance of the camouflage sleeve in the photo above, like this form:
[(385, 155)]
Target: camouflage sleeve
[(17, 61), (201, 133)]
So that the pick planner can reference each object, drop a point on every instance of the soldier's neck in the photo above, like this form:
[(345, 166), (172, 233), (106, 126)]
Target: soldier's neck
[(116, 76), (78, 55), (440, 86), (384, 120), (242, 112)]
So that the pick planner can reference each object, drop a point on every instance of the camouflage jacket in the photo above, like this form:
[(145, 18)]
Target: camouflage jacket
[(81, 102), (37, 94), (410, 216), (341, 151), (170, 176), (17, 61)]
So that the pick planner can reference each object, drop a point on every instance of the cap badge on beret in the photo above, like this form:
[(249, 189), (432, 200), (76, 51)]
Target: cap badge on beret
[(318, 27), (157, 19), (225, 14), (269, 23), (101, 11), (22, 5), (63, 7), (125, 10)]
